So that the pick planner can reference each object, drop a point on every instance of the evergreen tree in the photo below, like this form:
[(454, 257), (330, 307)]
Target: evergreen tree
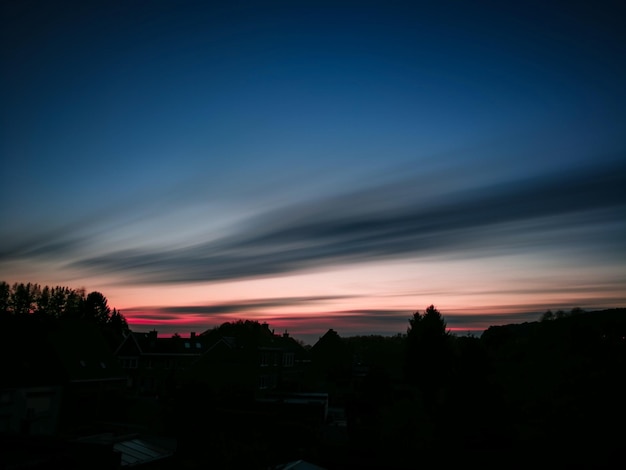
[(23, 298), (429, 352), (117, 322), (5, 297), (32, 303), (96, 308)]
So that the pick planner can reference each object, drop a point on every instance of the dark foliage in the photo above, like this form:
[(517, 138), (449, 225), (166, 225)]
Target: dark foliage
[(429, 357), (41, 307), (538, 393)]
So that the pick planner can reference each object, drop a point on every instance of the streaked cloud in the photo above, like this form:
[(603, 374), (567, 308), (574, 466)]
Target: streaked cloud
[(240, 306), (197, 164), (347, 228)]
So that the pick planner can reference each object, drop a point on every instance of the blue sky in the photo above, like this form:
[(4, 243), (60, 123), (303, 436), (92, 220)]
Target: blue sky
[(197, 161)]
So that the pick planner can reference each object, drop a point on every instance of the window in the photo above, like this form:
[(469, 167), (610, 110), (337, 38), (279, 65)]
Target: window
[(129, 363), (288, 359), (263, 381)]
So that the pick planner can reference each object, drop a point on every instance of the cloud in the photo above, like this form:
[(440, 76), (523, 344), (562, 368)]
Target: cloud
[(346, 322), (156, 315), (412, 215), (483, 321), (239, 306), (55, 243), (350, 228)]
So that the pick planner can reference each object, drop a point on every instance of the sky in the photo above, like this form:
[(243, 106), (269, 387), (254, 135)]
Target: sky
[(316, 164)]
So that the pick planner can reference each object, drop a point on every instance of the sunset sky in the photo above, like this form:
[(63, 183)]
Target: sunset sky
[(316, 164)]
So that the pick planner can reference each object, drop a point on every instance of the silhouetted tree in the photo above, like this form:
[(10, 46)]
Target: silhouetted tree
[(112, 324), (96, 308), (117, 322), (73, 303), (44, 306), (64, 302), (5, 297), (429, 353), (23, 298), (576, 311), (559, 314), (249, 331), (42, 302)]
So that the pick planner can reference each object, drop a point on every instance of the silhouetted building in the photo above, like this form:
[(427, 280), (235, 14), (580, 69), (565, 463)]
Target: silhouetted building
[(153, 365), (57, 380), (252, 361)]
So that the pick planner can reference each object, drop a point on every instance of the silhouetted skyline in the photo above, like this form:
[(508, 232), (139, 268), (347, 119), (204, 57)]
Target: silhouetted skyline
[(340, 164)]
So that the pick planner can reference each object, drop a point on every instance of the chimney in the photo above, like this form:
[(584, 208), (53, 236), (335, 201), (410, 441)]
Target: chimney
[(192, 335), (285, 334), (152, 337)]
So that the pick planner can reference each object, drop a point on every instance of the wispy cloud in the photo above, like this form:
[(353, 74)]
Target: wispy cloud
[(47, 244), (347, 228), (236, 306), (407, 216)]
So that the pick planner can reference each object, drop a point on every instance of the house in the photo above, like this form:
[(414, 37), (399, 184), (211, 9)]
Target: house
[(332, 365), (60, 381), (248, 358), (94, 382), (152, 365), (57, 379)]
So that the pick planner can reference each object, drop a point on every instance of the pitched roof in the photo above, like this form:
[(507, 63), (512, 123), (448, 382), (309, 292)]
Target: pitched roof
[(150, 344)]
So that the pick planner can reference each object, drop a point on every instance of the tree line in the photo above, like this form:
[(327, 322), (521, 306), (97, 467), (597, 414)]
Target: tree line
[(48, 305), (519, 391)]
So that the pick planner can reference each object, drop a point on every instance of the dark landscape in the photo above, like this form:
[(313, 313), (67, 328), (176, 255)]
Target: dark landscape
[(312, 235), (81, 390)]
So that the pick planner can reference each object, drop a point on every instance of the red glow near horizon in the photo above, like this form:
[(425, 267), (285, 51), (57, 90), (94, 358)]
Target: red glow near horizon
[(307, 327)]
